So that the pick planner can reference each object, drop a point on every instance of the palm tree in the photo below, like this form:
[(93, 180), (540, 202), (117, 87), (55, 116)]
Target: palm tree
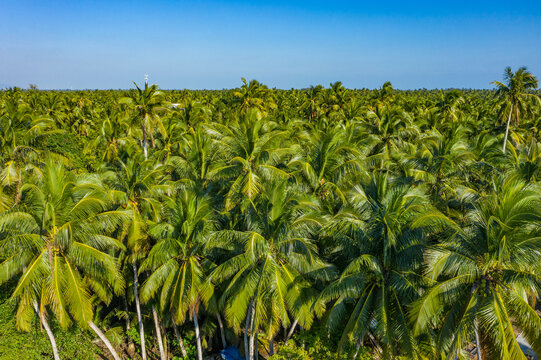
[(263, 273), (514, 94), (389, 127), (379, 236), (147, 104), (325, 161), (177, 260), (253, 95), (485, 275), (135, 186), (251, 150), (57, 239)]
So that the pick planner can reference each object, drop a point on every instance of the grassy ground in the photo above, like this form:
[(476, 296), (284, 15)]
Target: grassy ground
[(72, 343)]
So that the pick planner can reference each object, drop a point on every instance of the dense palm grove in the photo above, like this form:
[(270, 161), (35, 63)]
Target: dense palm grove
[(363, 223)]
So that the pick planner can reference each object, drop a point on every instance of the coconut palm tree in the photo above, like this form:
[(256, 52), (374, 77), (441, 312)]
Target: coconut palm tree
[(514, 93), (253, 95), (485, 275), (267, 260), (379, 236), (147, 105), (178, 262), (57, 239), (252, 149), (135, 185)]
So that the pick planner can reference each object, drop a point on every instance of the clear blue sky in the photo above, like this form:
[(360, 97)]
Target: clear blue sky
[(284, 44)]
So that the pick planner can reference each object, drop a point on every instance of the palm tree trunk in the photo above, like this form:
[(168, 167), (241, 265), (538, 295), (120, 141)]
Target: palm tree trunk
[(139, 318), (158, 333), (507, 129), (145, 143), (197, 337), (358, 347), (48, 331), (179, 338), (255, 346), (222, 333), (478, 341), (290, 333), (252, 350), (246, 327), (127, 310), (271, 346), (103, 338)]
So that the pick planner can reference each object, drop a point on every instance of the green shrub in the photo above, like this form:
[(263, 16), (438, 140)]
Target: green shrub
[(317, 346)]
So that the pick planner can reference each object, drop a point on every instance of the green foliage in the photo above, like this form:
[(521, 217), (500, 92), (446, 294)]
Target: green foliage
[(316, 345), (383, 217), (189, 345), (71, 147)]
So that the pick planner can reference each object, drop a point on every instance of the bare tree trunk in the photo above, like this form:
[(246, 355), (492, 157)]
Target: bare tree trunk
[(145, 143), (152, 142), (358, 347), (290, 333), (158, 333), (127, 310), (139, 317), (165, 340), (256, 346), (222, 334), (252, 331), (246, 329), (103, 338), (271, 346), (197, 337), (179, 338), (478, 342), (507, 129), (48, 330)]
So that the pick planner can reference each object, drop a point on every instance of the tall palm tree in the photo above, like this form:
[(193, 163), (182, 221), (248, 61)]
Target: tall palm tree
[(57, 239), (266, 263), (253, 95), (485, 275), (252, 149), (147, 105), (178, 260), (514, 94), (135, 185), (379, 236)]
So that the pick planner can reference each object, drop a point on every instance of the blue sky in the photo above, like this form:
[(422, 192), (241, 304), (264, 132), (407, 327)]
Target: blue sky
[(284, 44)]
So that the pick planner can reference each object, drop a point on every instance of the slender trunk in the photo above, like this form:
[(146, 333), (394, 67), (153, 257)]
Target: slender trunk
[(152, 142), (126, 309), (48, 330), (179, 339), (256, 347), (139, 318), (222, 333), (103, 338), (507, 128), (290, 333), (478, 342), (165, 341), (271, 346), (158, 333), (197, 337), (246, 327), (358, 347), (252, 331), (251, 346), (145, 143)]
